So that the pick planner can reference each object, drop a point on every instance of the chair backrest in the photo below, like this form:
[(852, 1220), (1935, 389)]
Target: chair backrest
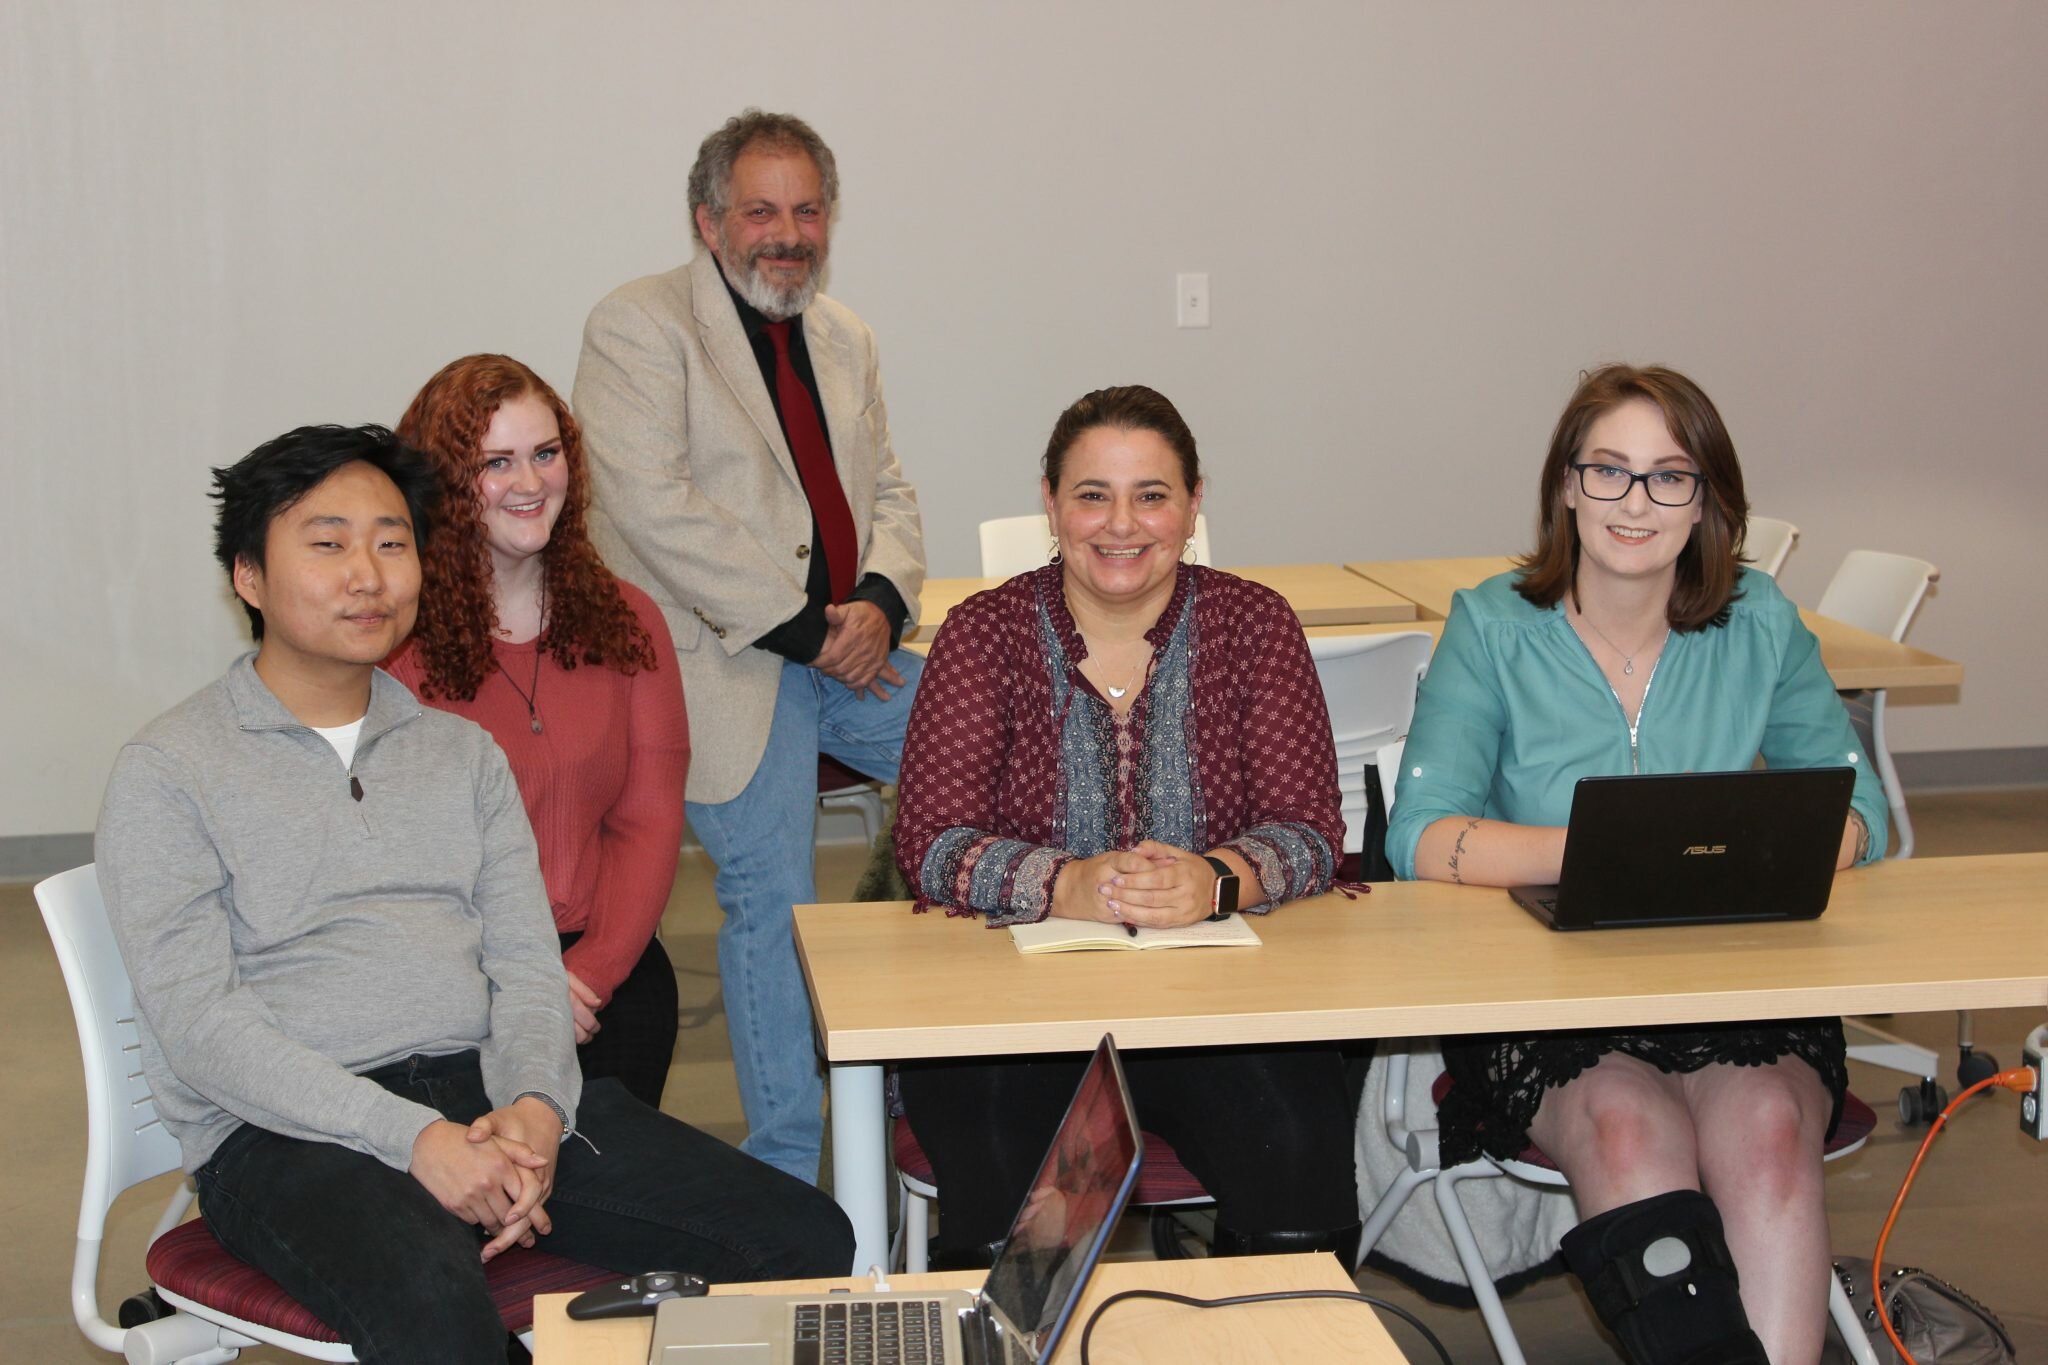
[(1014, 545), (125, 1141), (1878, 592), (1767, 542), (1369, 684)]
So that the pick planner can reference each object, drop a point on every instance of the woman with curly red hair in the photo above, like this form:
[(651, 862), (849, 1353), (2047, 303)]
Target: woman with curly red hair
[(523, 630)]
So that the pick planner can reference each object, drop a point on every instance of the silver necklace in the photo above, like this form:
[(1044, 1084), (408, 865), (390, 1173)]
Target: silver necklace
[(1119, 693), (1628, 659)]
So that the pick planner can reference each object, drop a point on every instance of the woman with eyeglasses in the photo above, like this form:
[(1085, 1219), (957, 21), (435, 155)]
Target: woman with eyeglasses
[(1633, 640)]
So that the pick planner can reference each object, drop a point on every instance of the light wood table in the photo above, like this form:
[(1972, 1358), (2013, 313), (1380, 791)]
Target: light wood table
[(1135, 1332), (1321, 595), (1409, 959), (1855, 659), (1430, 583)]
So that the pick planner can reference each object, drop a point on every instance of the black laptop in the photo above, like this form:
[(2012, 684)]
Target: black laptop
[(1697, 848)]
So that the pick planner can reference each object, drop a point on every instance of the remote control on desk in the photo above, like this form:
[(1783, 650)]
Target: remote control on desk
[(635, 1297)]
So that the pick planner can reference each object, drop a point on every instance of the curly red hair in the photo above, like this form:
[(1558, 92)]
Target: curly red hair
[(588, 620)]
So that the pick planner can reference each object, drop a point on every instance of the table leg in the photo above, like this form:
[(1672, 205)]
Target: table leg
[(860, 1167)]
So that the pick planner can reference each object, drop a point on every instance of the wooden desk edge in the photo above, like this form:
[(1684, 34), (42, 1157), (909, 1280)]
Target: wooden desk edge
[(624, 1341)]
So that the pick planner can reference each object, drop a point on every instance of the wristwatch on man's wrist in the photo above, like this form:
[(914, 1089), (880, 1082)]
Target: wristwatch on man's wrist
[(1224, 900)]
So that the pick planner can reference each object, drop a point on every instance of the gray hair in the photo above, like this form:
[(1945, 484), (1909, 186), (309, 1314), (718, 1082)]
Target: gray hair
[(711, 177)]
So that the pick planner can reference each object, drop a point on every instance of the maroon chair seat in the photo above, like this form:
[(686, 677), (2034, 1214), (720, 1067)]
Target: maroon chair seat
[(190, 1263), (835, 776), (1161, 1179), (1857, 1122)]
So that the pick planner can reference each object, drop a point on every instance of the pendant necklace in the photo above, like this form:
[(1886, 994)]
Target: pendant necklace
[(1628, 660), (532, 697), (1118, 693)]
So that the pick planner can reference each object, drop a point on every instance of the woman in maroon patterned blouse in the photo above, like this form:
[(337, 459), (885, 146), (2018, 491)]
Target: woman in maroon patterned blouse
[(1124, 738)]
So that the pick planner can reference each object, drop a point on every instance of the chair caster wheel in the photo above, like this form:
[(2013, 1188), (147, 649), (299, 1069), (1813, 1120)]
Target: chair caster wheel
[(1921, 1103), (137, 1309), (1974, 1067)]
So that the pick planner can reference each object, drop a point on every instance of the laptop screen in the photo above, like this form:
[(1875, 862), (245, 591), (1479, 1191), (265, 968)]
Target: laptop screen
[(1067, 1217)]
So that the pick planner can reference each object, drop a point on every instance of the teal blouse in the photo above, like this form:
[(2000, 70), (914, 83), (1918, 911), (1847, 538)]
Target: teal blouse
[(1514, 711)]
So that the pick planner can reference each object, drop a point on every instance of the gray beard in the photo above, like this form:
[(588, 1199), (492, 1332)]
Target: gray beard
[(773, 302)]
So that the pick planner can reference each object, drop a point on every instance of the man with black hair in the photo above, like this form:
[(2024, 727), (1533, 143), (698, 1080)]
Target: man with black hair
[(352, 1008)]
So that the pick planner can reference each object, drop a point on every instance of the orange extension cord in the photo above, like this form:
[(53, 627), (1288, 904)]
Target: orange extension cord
[(2020, 1079)]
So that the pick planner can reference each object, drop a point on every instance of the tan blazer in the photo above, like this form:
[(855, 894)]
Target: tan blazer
[(696, 498)]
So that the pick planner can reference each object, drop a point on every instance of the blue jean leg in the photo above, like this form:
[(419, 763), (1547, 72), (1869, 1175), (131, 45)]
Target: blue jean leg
[(864, 734), (762, 843)]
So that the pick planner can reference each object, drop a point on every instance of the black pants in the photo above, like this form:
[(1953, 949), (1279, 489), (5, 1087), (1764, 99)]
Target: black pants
[(638, 1037), (376, 1257), (1268, 1131)]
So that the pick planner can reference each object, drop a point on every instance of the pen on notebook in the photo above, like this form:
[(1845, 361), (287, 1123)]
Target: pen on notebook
[(1130, 929)]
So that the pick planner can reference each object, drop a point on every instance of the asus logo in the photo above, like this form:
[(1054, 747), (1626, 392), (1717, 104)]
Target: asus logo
[(1701, 850)]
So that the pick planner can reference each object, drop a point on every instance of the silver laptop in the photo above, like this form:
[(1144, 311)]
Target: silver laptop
[(1697, 848), (1015, 1318)]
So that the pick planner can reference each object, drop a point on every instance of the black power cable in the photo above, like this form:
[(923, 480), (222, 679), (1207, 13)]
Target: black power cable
[(1276, 1297)]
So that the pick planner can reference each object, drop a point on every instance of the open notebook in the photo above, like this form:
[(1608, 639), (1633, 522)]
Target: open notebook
[(1051, 935)]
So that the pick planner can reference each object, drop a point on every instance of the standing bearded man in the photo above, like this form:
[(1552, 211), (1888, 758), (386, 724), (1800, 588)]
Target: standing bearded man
[(742, 475)]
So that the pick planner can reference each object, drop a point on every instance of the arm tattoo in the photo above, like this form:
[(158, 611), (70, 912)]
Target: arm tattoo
[(1458, 849)]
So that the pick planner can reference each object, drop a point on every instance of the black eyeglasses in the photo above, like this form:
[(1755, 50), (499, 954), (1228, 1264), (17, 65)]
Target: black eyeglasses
[(1666, 487)]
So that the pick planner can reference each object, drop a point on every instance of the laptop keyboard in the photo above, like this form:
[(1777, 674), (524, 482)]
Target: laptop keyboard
[(867, 1332)]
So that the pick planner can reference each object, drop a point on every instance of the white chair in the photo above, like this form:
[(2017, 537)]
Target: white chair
[(1417, 1142), (1369, 684), (1879, 592), (1767, 542), (1014, 545), (127, 1144)]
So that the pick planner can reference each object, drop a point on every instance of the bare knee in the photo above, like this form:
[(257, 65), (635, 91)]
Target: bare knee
[(1612, 1122), (1761, 1136)]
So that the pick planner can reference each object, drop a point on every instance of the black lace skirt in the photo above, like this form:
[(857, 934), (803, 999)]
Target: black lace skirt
[(1498, 1080)]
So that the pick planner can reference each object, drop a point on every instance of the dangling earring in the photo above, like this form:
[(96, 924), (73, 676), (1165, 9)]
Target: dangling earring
[(1054, 557), (1187, 551)]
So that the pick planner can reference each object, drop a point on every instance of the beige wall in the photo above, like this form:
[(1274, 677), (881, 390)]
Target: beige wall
[(221, 220)]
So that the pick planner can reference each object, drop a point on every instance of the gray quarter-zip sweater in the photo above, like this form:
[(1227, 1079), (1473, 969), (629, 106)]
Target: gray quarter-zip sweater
[(283, 935)]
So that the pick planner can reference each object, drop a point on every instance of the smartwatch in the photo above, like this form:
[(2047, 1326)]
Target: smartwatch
[(1225, 900)]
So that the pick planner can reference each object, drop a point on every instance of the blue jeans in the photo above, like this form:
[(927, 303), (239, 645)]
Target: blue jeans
[(373, 1255), (761, 841)]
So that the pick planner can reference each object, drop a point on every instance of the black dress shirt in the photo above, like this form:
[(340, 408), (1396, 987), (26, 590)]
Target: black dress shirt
[(801, 637)]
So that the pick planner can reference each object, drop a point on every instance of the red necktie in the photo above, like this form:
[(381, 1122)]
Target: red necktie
[(814, 466)]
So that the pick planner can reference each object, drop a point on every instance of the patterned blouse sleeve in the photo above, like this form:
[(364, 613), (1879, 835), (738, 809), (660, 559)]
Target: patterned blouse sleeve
[(1295, 820), (956, 752)]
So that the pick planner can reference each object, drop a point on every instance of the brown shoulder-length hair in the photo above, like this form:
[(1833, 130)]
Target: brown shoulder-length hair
[(1709, 565), (588, 620)]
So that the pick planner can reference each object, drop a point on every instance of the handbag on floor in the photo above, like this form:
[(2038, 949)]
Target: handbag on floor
[(1940, 1324)]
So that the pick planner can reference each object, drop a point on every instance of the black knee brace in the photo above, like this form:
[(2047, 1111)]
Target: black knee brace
[(1659, 1275)]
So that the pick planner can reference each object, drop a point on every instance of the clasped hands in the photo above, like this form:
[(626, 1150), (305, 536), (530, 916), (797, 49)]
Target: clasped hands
[(1151, 886), (856, 649), (496, 1173)]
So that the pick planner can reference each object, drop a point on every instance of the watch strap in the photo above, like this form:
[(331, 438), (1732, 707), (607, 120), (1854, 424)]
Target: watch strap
[(1224, 901)]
